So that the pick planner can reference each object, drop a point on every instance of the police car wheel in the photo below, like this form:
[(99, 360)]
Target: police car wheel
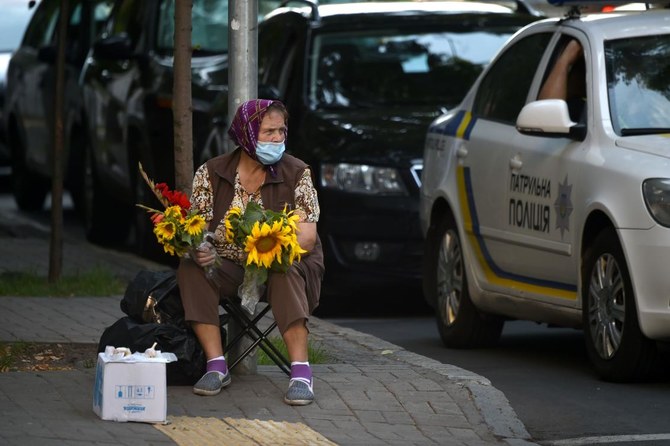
[(459, 322), (614, 342)]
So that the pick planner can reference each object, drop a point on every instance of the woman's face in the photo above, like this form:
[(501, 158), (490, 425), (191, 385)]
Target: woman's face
[(273, 127)]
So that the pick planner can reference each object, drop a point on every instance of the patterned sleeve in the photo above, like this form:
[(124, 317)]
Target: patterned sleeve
[(201, 195), (306, 200)]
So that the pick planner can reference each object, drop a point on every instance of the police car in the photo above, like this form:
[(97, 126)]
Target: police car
[(555, 207)]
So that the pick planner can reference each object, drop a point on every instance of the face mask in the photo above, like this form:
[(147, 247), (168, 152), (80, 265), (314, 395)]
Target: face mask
[(269, 153)]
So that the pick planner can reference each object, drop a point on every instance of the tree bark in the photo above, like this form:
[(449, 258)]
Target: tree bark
[(56, 238), (182, 107)]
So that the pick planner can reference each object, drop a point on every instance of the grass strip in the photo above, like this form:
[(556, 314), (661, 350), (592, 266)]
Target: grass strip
[(315, 352), (95, 282)]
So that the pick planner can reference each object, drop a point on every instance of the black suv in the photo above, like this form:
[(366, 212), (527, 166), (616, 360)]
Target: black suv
[(362, 82), (29, 108)]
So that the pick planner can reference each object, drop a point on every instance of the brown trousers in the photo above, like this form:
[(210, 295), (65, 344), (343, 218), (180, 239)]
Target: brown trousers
[(292, 295)]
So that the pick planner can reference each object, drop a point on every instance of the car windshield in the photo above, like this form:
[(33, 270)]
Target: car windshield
[(209, 25), (390, 67), (13, 21), (638, 82)]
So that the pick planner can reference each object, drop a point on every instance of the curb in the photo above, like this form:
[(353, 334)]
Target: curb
[(494, 407)]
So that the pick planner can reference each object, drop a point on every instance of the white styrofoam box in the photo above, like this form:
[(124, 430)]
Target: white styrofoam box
[(131, 388)]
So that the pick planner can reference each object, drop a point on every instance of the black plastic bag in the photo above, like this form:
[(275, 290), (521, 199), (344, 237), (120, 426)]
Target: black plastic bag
[(153, 296), (137, 336)]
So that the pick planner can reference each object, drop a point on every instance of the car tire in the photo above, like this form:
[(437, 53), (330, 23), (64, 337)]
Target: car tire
[(459, 322), (615, 344), (105, 218), (29, 188)]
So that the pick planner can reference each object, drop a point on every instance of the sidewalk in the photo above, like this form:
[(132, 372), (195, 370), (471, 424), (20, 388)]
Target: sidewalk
[(373, 393)]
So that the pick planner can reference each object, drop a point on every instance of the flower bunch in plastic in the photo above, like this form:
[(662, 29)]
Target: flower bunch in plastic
[(270, 240), (177, 228)]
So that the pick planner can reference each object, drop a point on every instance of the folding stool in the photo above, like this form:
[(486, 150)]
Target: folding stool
[(249, 326)]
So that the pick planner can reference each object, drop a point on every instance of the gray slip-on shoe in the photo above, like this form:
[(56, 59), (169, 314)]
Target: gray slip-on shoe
[(211, 383), (299, 393)]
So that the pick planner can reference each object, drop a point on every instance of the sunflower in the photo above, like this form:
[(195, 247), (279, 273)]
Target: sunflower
[(169, 249), (230, 234), (294, 249), (173, 212), (265, 243), (194, 225), (165, 230)]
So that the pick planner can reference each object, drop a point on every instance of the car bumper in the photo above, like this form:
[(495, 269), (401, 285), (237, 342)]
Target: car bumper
[(648, 254), (370, 241)]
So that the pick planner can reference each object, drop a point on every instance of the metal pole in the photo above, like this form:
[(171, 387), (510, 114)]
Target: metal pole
[(242, 86), (242, 57)]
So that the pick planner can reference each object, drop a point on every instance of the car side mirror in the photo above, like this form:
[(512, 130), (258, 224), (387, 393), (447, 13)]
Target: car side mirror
[(549, 118), (116, 47)]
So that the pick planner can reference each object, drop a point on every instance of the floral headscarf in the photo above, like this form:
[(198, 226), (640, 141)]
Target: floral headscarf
[(247, 123)]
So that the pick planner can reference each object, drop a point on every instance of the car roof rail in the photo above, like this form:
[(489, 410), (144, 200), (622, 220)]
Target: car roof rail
[(314, 4)]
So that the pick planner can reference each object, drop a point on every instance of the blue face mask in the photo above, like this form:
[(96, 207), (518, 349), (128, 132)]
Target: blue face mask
[(269, 153)]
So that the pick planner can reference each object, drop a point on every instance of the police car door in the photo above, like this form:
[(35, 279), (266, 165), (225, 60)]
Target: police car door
[(510, 202), (541, 185)]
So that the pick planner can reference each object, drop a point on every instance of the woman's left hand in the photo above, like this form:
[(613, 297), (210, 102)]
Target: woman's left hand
[(205, 254)]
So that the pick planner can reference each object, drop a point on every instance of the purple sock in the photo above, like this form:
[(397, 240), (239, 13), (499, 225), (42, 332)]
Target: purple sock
[(301, 371), (217, 365)]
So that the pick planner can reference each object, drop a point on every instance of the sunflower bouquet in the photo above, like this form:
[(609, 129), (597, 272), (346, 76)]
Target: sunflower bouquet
[(177, 227), (269, 239)]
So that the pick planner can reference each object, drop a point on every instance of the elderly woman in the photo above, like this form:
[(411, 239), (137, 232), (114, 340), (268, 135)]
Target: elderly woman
[(259, 171)]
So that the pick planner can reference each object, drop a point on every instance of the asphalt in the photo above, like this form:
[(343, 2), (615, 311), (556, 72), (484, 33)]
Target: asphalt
[(370, 392)]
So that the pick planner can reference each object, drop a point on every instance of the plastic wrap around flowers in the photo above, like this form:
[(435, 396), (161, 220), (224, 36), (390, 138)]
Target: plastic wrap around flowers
[(178, 228), (270, 240)]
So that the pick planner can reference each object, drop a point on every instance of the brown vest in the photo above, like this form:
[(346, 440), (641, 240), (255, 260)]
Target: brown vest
[(276, 192)]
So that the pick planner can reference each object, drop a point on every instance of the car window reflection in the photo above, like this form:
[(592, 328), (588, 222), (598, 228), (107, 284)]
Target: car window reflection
[(385, 68), (638, 83)]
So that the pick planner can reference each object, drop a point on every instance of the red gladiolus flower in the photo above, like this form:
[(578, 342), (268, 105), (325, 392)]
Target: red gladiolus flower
[(157, 218)]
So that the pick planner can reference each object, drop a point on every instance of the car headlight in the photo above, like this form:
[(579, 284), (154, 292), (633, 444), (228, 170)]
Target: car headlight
[(362, 179), (656, 193)]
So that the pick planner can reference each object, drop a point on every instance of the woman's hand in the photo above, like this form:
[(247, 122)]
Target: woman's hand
[(205, 254)]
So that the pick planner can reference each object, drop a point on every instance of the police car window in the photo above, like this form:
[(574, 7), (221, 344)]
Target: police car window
[(392, 67), (503, 91), (565, 77), (638, 84)]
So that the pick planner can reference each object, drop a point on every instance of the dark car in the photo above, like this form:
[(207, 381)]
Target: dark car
[(128, 90), (13, 21), (362, 82), (29, 110)]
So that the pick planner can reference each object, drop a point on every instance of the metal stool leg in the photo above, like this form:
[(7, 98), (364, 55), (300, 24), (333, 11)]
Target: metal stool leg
[(249, 327)]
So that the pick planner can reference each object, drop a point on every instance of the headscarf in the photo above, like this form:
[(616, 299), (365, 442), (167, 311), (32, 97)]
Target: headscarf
[(247, 123)]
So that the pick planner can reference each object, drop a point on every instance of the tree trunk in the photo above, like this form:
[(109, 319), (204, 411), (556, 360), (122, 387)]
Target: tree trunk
[(56, 239), (182, 109)]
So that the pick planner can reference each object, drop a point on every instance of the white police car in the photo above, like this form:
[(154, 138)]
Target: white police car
[(558, 210)]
